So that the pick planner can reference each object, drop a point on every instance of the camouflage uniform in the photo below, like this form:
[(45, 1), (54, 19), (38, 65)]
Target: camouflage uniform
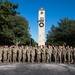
[(64, 54), (1, 51), (24, 54), (71, 54), (48, 54), (5, 54), (74, 55), (59, 51), (19, 54), (38, 52), (68, 54), (28, 54), (9, 54), (55, 54), (43, 54), (15, 54), (32, 53)]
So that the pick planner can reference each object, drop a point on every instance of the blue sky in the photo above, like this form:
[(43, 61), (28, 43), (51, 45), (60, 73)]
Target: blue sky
[(55, 9)]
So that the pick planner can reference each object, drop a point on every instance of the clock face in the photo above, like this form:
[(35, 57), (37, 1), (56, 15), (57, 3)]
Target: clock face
[(41, 24)]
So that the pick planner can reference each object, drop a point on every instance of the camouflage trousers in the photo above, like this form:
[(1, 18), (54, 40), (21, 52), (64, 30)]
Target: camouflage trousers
[(0, 57), (19, 57), (68, 58), (43, 58), (9, 58), (28, 57), (24, 57), (64, 56), (55, 57), (38, 57), (59, 58), (32, 58), (5, 57), (48, 58), (14, 57)]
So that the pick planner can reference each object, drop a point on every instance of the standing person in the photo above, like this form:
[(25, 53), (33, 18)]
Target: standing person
[(48, 54), (9, 54), (59, 51), (55, 54), (15, 48), (28, 53), (74, 55), (43, 52), (1, 52), (38, 52), (19, 54), (71, 54), (68, 54), (5, 53), (24, 54), (64, 54), (32, 53)]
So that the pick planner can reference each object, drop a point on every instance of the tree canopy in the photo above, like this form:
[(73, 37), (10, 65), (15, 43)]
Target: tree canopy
[(14, 29), (63, 34)]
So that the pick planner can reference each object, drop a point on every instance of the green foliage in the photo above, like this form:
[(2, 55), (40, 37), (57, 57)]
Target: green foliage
[(14, 29), (64, 34)]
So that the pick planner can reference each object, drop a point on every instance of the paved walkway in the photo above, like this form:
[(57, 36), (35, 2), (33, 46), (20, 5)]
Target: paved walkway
[(36, 69)]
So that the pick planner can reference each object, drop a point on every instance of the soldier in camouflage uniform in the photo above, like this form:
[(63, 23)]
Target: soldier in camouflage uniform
[(5, 53), (9, 54), (32, 53), (24, 54), (43, 52), (28, 54), (1, 52), (64, 54), (59, 51), (15, 53), (74, 55), (19, 54), (38, 52), (48, 54), (55, 54), (68, 54), (71, 54)]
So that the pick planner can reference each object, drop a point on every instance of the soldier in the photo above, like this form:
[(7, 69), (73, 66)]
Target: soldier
[(9, 54), (71, 54), (55, 54), (59, 51), (28, 54), (24, 54), (64, 54), (19, 54), (43, 52), (74, 55), (32, 53), (1, 52), (68, 54), (38, 52), (15, 48), (48, 54), (5, 53)]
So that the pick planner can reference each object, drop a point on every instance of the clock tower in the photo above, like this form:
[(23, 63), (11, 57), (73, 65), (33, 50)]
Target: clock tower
[(41, 27)]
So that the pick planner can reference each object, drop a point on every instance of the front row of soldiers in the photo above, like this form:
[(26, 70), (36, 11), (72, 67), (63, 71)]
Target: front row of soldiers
[(48, 54)]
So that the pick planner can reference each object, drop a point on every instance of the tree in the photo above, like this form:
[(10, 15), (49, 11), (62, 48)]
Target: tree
[(14, 29), (63, 34)]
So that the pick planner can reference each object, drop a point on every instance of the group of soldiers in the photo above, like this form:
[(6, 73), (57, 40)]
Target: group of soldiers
[(48, 54)]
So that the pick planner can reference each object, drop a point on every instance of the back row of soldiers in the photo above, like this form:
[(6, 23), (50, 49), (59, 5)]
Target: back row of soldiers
[(48, 54)]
